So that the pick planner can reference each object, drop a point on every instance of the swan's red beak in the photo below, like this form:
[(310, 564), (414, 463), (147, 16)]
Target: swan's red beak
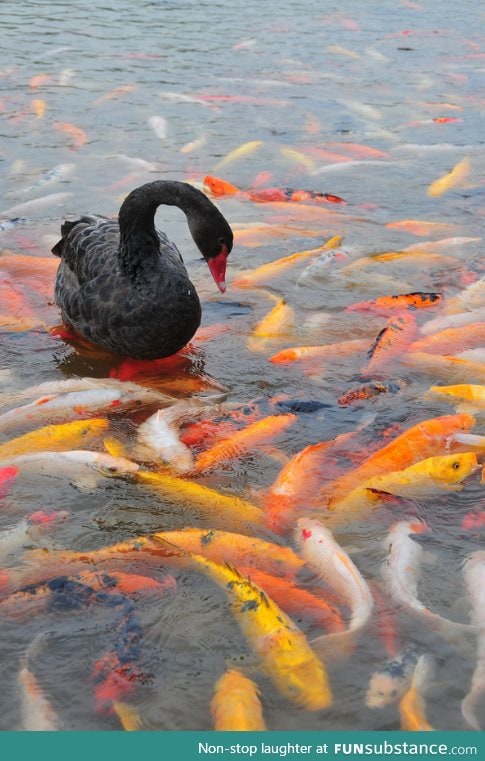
[(217, 266)]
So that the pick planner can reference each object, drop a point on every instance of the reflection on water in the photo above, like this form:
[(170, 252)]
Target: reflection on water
[(371, 103)]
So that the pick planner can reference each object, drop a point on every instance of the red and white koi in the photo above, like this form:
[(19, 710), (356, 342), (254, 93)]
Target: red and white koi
[(322, 553)]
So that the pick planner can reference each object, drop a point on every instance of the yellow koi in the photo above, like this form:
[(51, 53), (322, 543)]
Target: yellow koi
[(129, 718), (236, 705), (56, 438), (238, 153), (451, 179), (297, 157), (466, 391), (412, 706)]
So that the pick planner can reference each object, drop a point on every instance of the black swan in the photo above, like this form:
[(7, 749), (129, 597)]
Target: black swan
[(123, 285)]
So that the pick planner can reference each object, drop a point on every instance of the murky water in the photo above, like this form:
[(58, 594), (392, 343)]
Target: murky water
[(80, 84)]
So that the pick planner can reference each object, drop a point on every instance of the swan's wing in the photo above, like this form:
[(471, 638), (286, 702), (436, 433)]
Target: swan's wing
[(86, 246)]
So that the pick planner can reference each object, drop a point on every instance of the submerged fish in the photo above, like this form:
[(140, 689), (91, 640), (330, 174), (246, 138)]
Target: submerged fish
[(400, 572), (388, 684), (474, 575), (412, 707), (38, 714), (55, 437), (236, 705), (450, 180), (391, 341)]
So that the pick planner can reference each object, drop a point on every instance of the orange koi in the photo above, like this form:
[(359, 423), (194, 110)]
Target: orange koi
[(446, 119), (361, 151), (426, 439), (39, 107), (38, 80), (383, 304), (273, 269), (254, 435), (116, 93), (391, 341), (452, 340), (220, 188), (423, 227), (78, 135), (296, 601)]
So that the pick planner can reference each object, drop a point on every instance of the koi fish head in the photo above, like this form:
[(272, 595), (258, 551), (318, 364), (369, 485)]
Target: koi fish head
[(385, 689), (453, 469)]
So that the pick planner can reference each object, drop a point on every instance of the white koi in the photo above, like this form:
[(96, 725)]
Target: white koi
[(400, 572), (159, 125), (38, 714), (36, 204), (474, 575)]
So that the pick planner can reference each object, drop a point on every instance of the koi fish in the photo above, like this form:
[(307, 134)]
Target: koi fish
[(450, 180), (450, 368), (112, 94), (298, 158), (474, 575), (418, 481), (400, 572), (296, 601), (58, 173), (39, 80), (25, 532), (8, 474), (245, 551), (75, 404), (78, 135), (220, 188), (320, 550), (236, 705), (451, 340), (384, 304), (470, 298), (35, 204), (390, 342), (425, 439), (246, 149), (229, 509), (130, 719), (38, 714), (261, 274), (466, 391), (39, 107), (389, 683), (423, 227), (325, 351), (83, 467), (283, 649), (457, 320), (369, 391), (277, 323), (412, 707), (254, 435), (159, 125), (55, 437)]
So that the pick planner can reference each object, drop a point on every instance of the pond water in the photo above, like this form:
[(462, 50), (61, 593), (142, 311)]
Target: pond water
[(370, 102)]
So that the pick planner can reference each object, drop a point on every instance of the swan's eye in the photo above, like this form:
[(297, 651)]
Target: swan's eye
[(221, 241)]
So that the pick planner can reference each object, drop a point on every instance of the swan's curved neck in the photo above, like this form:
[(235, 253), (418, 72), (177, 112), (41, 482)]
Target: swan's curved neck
[(139, 242)]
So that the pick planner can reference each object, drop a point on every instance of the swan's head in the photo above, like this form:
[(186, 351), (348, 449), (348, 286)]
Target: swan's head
[(213, 237)]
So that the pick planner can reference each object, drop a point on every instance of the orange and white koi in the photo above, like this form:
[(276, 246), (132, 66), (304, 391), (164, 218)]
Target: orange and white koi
[(400, 572), (390, 342), (474, 575), (412, 705), (325, 351), (450, 180), (456, 320), (236, 705), (254, 435), (451, 340), (320, 550)]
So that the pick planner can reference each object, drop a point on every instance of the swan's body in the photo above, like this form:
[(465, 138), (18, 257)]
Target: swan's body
[(123, 285)]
